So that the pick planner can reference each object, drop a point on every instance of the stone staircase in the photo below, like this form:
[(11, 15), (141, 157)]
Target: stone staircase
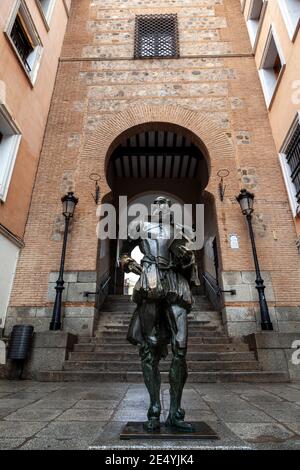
[(212, 355)]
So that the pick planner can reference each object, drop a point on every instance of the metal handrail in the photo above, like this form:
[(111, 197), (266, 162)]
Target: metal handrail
[(101, 287), (105, 283), (213, 290), (214, 285)]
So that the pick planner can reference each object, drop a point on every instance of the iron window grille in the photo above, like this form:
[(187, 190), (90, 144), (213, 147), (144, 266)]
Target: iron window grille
[(293, 159), (21, 42), (156, 36)]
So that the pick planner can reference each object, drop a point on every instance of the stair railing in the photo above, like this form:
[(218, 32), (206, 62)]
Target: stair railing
[(102, 286), (214, 292)]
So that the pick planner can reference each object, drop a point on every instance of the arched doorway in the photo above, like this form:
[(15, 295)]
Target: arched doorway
[(158, 159)]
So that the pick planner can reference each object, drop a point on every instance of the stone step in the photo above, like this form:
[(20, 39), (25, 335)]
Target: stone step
[(106, 334), (193, 327), (203, 307), (127, 298), (192, 340), (130, 307), (205, 315), (127, 347), (123, 328), (133, 377), (132, 356), (201, 318), (135, 366)]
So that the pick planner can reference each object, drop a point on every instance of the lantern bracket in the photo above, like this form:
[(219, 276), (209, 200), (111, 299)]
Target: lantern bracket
[(222, 173), (95, 177)]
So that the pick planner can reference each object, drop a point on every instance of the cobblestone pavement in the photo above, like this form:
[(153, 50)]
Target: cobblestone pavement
[(43, 415)]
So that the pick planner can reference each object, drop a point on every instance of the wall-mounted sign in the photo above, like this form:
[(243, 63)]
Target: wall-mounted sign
[(234, 241)]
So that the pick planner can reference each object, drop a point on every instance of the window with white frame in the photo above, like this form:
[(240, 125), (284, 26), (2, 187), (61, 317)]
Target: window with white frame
[(24, 39), (290, 163), (272, 66), (10, 138), (290, 10), (46, 7), (255, 17)]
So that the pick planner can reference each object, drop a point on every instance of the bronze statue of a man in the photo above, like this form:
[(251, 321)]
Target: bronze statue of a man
[(163, 297)]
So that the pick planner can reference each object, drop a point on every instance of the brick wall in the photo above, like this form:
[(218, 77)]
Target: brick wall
[(212, 89)]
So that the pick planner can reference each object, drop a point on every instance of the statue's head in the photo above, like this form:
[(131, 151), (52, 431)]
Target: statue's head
[(161, 205)]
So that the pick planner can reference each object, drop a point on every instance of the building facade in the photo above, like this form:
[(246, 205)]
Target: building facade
[(31, 37), (273, 28), (159, 99)]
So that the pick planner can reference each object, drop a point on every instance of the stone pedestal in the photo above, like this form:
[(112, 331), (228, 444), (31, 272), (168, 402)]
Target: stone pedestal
[(277, 351), (49, 351)]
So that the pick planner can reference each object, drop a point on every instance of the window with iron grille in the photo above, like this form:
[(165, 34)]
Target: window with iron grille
[(156, 36), (293, 159)]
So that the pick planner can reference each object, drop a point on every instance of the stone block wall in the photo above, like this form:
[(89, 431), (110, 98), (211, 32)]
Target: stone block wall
[(277, 352), (78, 313), (241, 314)]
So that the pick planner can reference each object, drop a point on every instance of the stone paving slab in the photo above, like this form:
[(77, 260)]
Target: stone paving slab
[(15, 403), (37, 415), (11, 444), (97, 404), (261, 432), (56, 444), (50, 403), (288, 412), (9, 429), (87, 414), (33, 415), (72, 430)]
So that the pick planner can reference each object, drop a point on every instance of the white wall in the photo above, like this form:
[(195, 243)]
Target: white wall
[(8, 261)]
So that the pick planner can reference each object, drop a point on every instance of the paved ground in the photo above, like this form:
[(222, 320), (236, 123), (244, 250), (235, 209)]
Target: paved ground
[(36, 415)]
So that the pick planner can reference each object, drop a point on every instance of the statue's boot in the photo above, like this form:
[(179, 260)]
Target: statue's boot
[(152, 381), (178, 375)]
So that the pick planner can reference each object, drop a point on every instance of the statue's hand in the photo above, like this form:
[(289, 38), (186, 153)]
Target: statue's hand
[(135, 267), (187, 256), (130, 265), (185, 252)]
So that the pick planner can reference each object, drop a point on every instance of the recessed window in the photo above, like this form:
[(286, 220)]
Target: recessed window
[(10, 137), (46, 8), (156, 36), (272, 66), (25, 40), (290, 10), (290, 162), (255, 17)]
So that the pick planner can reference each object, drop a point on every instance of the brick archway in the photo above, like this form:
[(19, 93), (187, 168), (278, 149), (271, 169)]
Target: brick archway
[(213, 140), (214, 143)]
